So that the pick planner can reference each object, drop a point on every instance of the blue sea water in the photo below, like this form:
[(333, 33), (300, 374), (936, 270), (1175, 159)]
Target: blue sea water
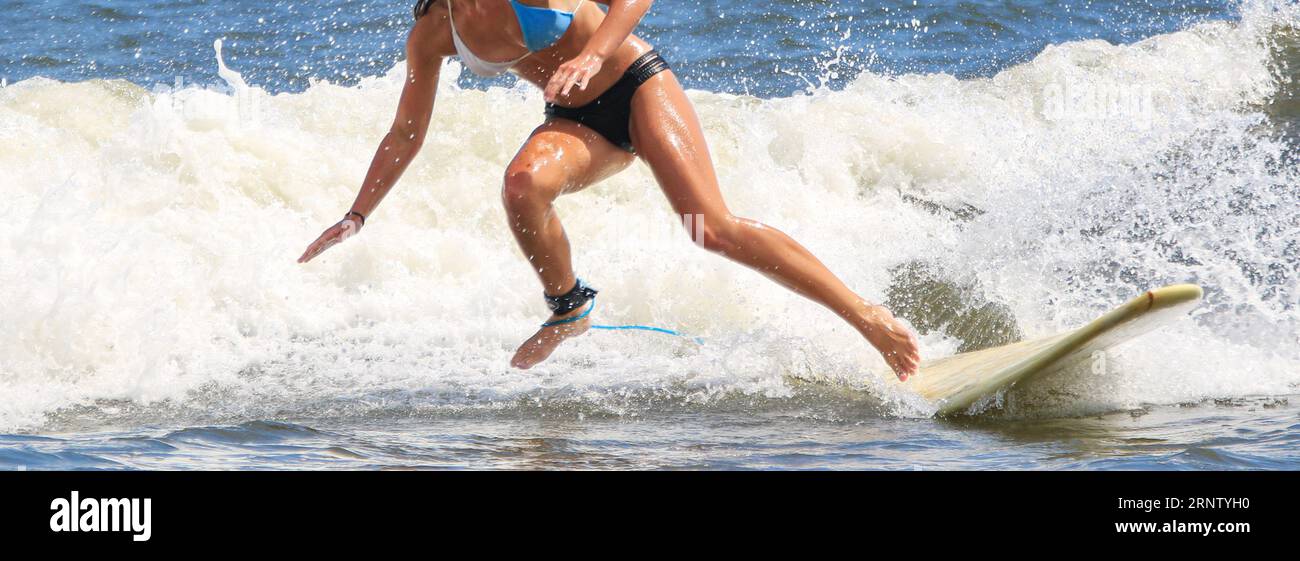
[(769, 48), (991, 169)]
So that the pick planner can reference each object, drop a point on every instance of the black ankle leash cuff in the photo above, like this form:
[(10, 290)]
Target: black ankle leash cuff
[(571, 300)]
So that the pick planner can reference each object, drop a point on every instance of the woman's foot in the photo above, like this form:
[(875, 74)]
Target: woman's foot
[(896, 343), (540, 346)]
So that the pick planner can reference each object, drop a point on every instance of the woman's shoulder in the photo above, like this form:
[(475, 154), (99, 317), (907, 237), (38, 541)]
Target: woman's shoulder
[(431, 34), (423, 7)]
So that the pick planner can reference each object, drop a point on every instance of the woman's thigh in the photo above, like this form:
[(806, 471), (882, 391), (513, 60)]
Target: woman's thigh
[(668, 136), (563, 156)]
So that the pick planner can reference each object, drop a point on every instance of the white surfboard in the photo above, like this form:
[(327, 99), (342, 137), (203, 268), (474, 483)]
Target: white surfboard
[(955, 383)]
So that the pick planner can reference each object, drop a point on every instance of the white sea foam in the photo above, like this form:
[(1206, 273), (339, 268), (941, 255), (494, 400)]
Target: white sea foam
[(149, 238)]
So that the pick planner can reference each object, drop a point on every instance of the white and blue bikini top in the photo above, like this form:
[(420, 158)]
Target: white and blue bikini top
[(542, 27)]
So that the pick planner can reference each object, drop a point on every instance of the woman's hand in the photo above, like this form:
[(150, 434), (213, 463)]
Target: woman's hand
[(332, 236), (896, 343), (576, 72)]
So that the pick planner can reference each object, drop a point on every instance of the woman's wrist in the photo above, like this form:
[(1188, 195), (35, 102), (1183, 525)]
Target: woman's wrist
[(598, 51), (356, 218)]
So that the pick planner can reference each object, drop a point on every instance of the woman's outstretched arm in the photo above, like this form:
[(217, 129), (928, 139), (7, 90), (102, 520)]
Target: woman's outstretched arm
[(400, 145), (620, 21)]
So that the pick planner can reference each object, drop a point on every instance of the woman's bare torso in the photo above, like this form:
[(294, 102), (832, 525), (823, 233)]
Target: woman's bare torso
[(489, 28)]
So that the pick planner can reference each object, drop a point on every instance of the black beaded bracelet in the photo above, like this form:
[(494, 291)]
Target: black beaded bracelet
[(357, 214)]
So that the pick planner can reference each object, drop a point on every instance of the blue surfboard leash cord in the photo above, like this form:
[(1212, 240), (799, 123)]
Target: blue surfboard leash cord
[(592, 307)]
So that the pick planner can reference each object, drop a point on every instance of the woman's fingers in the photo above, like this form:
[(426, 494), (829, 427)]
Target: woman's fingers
[(582, 76), (313, 250), (572, 80), (570, 74), (328, 239), (321, 246), (586, 77), (557, 82), (568, 85), (307, 255)]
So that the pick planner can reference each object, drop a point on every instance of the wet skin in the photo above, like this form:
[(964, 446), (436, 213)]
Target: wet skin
[(562, 157)]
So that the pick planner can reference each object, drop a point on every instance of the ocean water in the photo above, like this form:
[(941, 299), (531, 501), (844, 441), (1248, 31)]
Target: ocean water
[(992, 170)]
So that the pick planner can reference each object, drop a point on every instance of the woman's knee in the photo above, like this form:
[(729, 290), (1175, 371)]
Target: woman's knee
[(717, 233), (529, 190)]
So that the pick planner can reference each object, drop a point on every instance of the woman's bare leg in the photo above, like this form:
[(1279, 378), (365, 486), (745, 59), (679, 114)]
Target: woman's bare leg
[(668, 136), (560, 157)]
